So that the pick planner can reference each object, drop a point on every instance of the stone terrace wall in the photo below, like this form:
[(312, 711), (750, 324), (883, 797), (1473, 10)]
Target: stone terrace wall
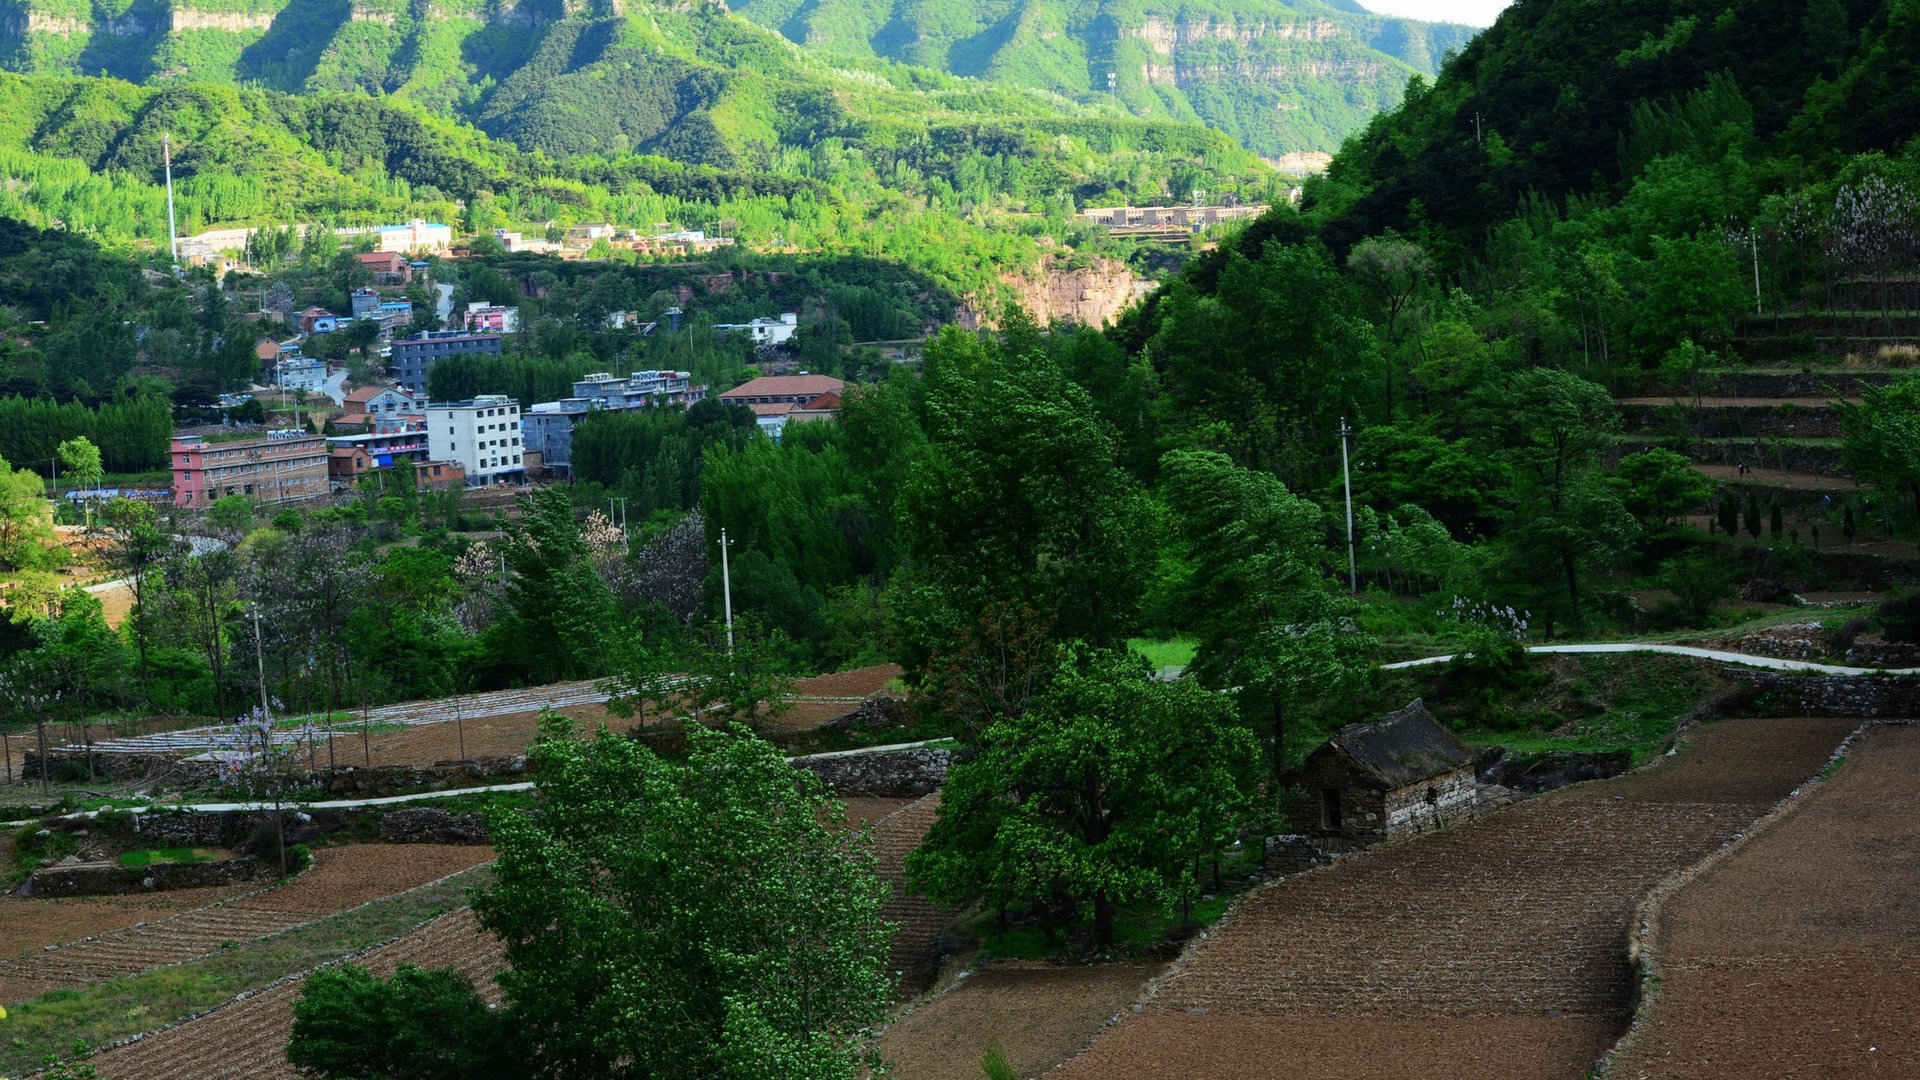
[(886, 774), (1779, 693), (103, 879)]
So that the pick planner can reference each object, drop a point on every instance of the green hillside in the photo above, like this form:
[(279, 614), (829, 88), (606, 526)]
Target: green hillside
[(1281, 76), (692, 82)]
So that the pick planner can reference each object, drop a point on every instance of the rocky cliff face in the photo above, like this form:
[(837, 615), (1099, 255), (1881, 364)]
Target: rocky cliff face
[(1056, 291)]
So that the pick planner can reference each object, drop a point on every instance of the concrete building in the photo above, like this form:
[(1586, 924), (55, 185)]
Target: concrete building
[(482, 435), (779, 389), (284, 466), (483, 317), (549, 431), (413, 357), (550, 424), (415, 235), (383, 448), (764, 331), (389, 267), (652, 387), (296, 372), (1402, 773)]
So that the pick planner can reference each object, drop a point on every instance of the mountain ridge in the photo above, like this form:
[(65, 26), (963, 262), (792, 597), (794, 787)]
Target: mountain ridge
[(1280, 76)]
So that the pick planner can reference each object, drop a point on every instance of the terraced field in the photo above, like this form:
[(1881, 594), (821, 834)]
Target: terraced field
[(1798, 954), (341, 878), (247, 1039), (1493, 950)]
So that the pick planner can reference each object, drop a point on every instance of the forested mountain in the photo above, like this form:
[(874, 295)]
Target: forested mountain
[(1281, 76), (691, 82)]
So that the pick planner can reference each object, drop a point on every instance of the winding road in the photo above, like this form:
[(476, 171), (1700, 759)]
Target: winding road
[(1742, 659)]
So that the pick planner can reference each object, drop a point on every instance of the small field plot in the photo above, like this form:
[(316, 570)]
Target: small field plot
[(1798, 955), (1038, 1014), (1493, 950), (124, 938), (247, 1040)]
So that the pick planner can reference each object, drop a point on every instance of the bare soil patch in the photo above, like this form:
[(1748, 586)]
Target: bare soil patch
[(247, 1040), (1798, 955), (484, 736), (192, 923), (1776, 478), (858, 683), (1494, 949), (1039, 1014)]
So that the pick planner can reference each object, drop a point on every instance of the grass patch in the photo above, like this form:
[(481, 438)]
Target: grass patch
[(1177, 652), (114, 1010), (1567, 702), (1833, 766), (149, 856)]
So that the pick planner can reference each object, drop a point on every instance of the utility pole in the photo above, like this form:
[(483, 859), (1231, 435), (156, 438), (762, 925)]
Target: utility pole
[(260, 667), (726, 587), (173, 237), (1346, 476), (1477, 139), (1753, 239)]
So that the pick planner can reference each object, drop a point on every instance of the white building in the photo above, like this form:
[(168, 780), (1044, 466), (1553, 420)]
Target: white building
[(416, 235), (299, 373), (765, 331), (483, 317), (483, 435)]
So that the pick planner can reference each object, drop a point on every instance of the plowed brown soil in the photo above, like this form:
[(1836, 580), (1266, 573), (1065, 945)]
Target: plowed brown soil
[(1492, 950), (1798, 955), (1038, 1014), (247, 1040), (341, 878)]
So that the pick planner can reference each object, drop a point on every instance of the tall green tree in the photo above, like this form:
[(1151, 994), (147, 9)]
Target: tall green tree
[(705, 918), (559, 613), (1016, 499), (1270, 622), (1551, 426), (1883, 438), (1105, 793)]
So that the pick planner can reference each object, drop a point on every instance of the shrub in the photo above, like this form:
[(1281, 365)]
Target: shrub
[(1899, 619)]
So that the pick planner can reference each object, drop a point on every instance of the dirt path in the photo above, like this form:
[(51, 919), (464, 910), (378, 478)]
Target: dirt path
[(1776, 478), (1798, 955), (1492, 950), (341, 878), (1738, 402)]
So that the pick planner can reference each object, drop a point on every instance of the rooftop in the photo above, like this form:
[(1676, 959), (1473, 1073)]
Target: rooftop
[(1403, 747), (801, 386)]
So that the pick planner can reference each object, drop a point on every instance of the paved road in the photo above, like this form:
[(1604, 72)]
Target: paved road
[(1743, 659), (389, 800)]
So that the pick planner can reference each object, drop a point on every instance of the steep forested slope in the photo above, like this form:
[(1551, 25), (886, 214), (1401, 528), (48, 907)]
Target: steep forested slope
[(690, 80), (1566, 96), (1281, 76)]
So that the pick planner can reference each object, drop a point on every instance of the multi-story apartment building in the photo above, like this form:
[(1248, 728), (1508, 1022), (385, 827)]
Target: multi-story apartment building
[(482, 435), (640, 388), (550, 424), (285, 465), (413, 358)]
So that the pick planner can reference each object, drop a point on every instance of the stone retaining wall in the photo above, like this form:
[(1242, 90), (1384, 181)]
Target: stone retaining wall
[(1779, 693), (886, 774), (106, 879), (1721, 422)]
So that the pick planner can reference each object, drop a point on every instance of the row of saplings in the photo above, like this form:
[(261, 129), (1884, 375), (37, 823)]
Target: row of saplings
[(714, 916)]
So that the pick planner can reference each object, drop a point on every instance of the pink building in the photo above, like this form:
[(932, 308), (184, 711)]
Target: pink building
[(279, 468)]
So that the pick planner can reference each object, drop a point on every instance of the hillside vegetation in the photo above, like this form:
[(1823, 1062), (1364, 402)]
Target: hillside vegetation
[(691, 82), (1280, 76)]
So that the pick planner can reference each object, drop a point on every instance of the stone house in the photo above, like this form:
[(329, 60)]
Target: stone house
[(1402, 773)]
